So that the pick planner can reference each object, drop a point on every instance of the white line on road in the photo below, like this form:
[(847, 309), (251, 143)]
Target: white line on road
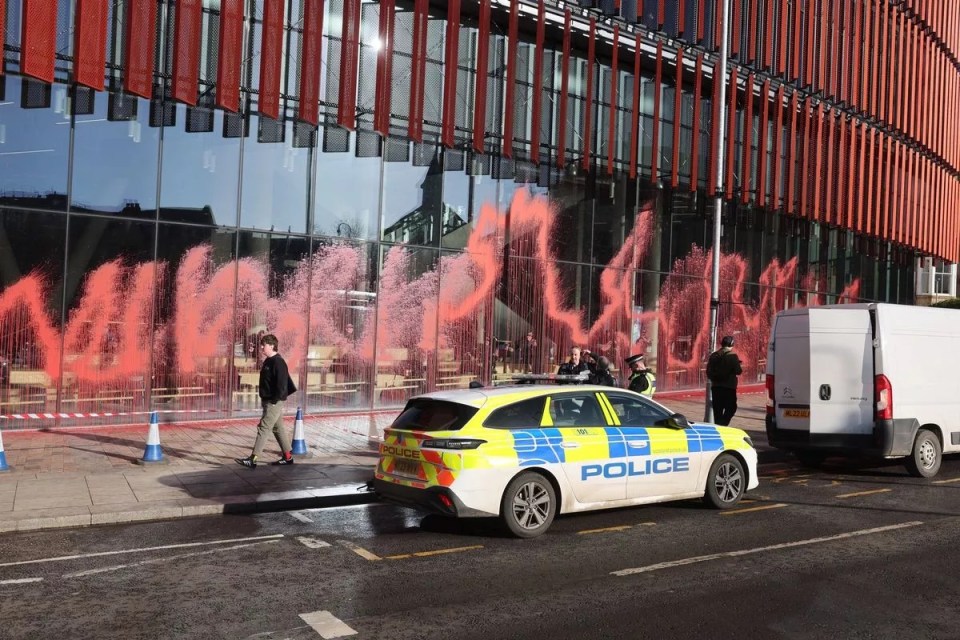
[(312, 543), (360, 551), (302, 517), (20, 581), (90, 572), (185, 545), (745, 552), (324, 623)]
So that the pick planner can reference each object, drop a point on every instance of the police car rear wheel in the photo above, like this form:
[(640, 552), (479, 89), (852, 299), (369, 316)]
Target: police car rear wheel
[(529, 505), (726, 483)]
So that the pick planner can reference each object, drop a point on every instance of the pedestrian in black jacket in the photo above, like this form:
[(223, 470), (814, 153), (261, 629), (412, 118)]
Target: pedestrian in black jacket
[(723, 367), (275, 387)]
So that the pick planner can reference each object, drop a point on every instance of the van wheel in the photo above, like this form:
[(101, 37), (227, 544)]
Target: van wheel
[(726, 482), (529, 505), (925, 460), (811, 459)]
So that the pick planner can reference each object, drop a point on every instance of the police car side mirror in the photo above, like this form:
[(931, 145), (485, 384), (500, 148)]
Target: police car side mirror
[(675, 421)]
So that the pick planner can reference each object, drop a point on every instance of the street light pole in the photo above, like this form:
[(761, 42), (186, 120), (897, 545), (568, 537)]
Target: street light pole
[(718, 197)]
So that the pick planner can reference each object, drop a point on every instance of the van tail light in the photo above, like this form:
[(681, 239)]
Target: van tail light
[(770, 394), (883, 393)]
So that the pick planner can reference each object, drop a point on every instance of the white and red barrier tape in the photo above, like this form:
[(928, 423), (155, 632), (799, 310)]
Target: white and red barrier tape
[(104, 414)]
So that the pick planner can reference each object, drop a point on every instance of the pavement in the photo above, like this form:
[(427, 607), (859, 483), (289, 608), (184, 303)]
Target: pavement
[(91, 476)]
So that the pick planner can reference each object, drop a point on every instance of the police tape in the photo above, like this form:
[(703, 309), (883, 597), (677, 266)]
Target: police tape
[(104, 414)]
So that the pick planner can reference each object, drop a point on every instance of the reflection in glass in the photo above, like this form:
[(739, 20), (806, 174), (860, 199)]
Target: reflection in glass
[(413, 207), (31, 272), (115, 159), (276, 164), (34, 144), (201, 170), (347, 193)]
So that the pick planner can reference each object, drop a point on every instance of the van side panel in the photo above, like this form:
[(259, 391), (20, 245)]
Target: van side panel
[(841, 372), (919, 352)]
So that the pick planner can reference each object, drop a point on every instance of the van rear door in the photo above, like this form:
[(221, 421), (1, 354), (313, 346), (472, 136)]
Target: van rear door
[(791, 370), (841, 371)]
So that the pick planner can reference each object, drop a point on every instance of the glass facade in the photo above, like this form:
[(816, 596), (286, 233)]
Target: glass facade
[(146, 245)]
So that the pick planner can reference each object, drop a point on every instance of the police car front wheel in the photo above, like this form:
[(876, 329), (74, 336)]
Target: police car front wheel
[(529, 505), (726, 482)]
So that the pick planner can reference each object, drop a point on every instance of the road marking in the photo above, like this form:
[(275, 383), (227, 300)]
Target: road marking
[(20, 581), (437, 552), (863, 493), (324, 623), (100, 554), (749, 509), (604, 530), (773, 547), (118, 567), (312, 543), (360, 551), (646, 524), (302, 517), (946, 481)]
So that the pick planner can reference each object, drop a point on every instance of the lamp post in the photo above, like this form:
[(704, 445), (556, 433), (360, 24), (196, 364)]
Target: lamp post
[(718, 197)]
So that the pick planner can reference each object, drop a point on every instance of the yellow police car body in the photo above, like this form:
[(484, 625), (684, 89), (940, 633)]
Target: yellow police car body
[(526, 453)]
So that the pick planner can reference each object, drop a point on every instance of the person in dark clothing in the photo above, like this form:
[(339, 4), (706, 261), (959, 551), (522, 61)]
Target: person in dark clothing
[(275, 387), (599, 370), (723, 367), (642, 379), (575, 365)]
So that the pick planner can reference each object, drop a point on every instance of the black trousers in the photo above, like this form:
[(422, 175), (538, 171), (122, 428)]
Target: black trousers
[(724, 400)]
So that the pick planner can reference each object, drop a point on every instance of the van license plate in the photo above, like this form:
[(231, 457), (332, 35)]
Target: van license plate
[(796, 413), (406, 467)]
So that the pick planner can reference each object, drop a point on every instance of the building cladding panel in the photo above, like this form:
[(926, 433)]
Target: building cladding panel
[(841, 128)]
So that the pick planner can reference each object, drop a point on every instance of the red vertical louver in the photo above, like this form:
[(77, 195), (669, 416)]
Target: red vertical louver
[(835, 50), (3, 31), (634, 129), (588, 100), (513, 35), (717, 24), (139, 47), (735, 27), (677, 118), (731, 134), (752, 38), (861, 167), (538, 54), (564, 93), (418, 72), (701, 19), (384, 85), (480, 89), (230, 55), (875, 62), (829, 211), (769, 36), (612, 132), (797, 38), (805, 178), (311, 50), (271, 58), (762, 144), (810, 44), (655, 146), (777, 142), (38, 39), (186, 51), (350, 61), (89, 42), (695, 138), (681, 16), (782, 59), (791, 167), (745, 171)]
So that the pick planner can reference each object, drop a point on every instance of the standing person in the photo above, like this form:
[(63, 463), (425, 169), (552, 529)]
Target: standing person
[(275, 386), (575, 365), (642, 380), (526, 352), (723, 367), (599, 370)]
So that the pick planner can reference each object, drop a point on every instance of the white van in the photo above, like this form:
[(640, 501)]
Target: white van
[(870, 379)]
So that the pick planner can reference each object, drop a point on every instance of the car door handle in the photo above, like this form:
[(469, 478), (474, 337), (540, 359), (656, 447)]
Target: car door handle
[(639, 444), (569, 445)]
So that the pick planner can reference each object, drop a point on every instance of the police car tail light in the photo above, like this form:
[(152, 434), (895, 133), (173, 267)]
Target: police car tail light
[(452, 443), (770, 388), (883, 392)]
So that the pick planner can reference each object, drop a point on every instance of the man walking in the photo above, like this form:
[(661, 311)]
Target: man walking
[(723, 367), (275, 386)]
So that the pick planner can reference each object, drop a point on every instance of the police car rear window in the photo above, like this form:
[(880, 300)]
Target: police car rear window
[(433, 415)]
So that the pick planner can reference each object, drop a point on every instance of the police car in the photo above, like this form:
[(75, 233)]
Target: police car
[(527, 453)]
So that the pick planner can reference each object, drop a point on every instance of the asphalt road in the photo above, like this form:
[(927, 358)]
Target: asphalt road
[(842, 552)]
